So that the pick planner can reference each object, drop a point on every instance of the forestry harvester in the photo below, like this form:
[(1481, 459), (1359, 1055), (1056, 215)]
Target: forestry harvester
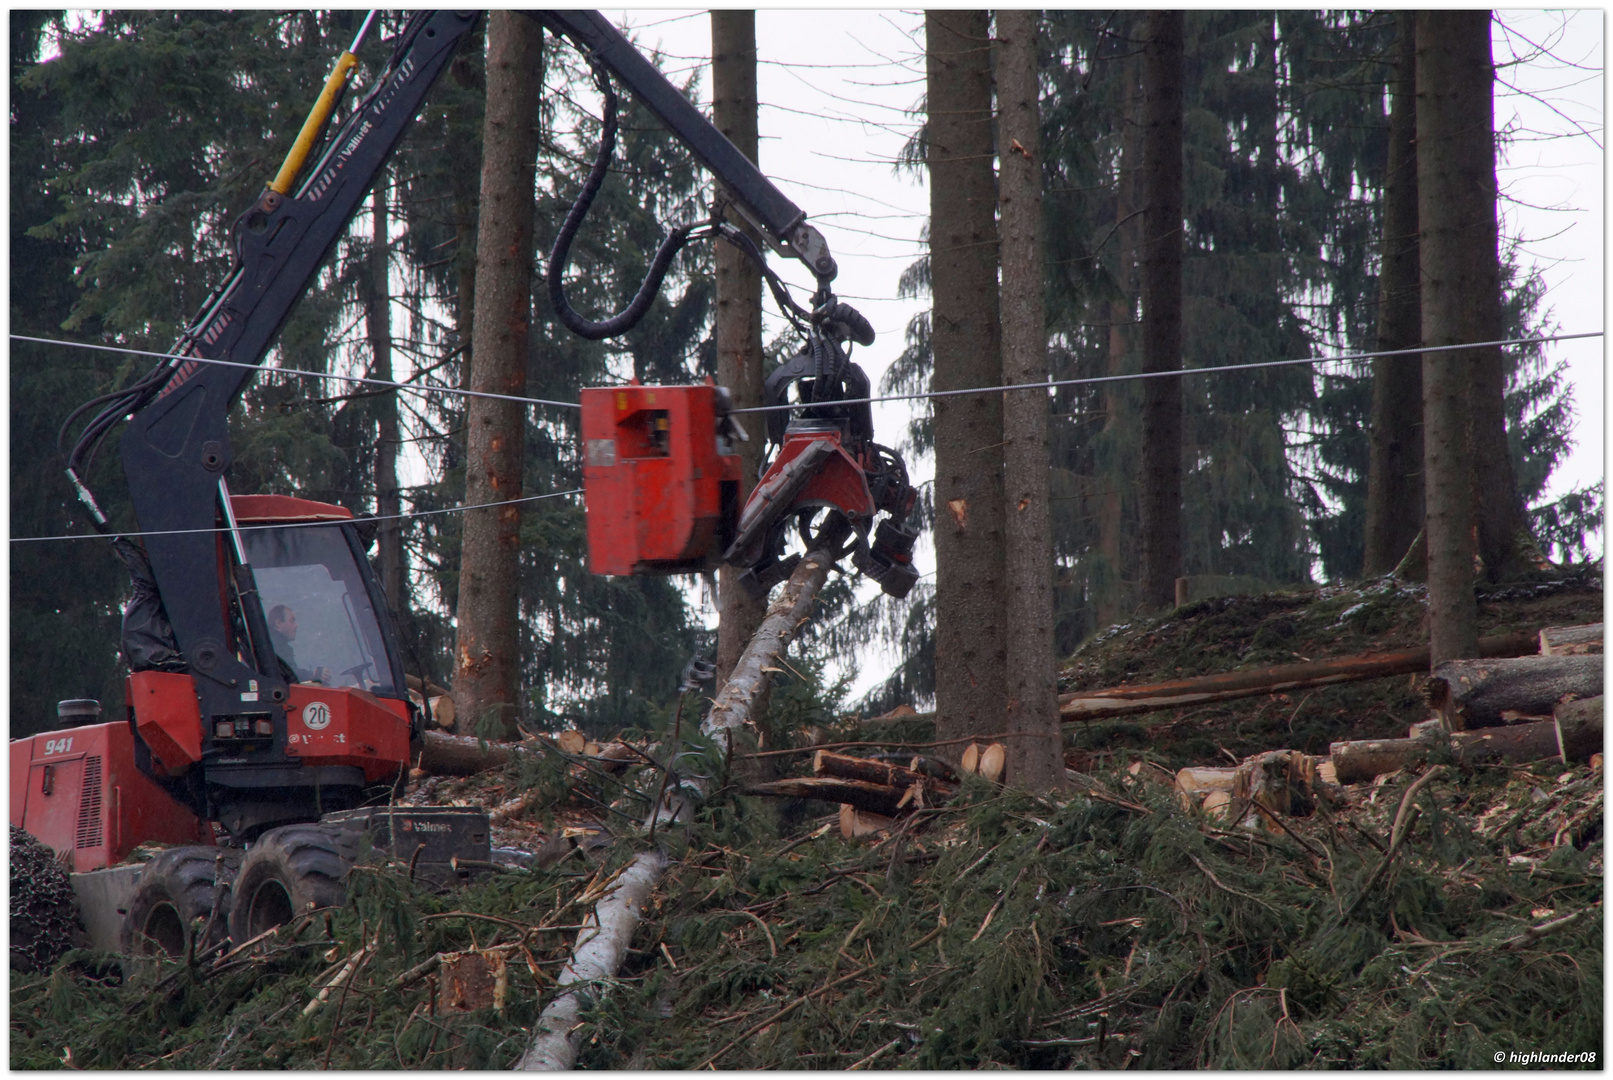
[(268, 710)]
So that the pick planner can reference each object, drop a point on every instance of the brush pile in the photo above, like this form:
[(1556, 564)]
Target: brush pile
[(1430, 918)]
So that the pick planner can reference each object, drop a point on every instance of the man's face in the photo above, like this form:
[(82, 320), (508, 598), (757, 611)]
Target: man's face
[(286, 625)]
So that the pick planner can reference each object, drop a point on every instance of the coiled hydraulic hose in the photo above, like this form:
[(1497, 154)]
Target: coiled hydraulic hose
[(561, 254)]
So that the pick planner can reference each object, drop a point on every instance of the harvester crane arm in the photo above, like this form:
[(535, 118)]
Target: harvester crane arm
[(176, 447)]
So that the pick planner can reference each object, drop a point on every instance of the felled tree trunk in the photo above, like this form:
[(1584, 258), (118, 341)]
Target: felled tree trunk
[(1572, 737), (1583, 640), (861, 794), (825, 763), (442, 754), (597, 956), (1126, 700), (1363, 759), (1488, 693), (1579, 728), (738, 698), (736, 701)]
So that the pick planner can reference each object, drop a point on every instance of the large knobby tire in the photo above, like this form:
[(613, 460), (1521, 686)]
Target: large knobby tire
[(290, 871), (178, 887), (44, 911)]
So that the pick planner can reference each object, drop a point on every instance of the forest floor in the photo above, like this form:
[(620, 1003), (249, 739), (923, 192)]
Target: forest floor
[(1105, 927)]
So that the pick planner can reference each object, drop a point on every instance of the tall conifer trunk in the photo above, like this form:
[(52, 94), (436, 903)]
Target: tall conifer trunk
[(378, 316), (1457, 261), (1161, 495), (969, 657), (739, 306), (1113, 473), (1033, 763), (1395, 470), (487, 646), (1459, 57), (463, 145)]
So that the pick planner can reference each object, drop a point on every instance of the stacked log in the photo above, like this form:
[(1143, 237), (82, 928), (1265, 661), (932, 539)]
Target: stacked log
[(1583, 640), (1488, 693), (1571, 736), (876, 787)]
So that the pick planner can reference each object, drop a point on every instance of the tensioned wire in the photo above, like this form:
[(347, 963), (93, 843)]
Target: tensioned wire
[(918, 396), (304, 524)]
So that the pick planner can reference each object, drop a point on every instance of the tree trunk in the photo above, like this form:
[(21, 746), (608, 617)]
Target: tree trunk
[(1486, 693), (601, 945), (1571, 740), (1579, 728), (738, 324), (1036, 763), (969, 649), (1114, 472), (1231, 685), (867, 795), (442, 754), (1161, 258), (487, 647), (1582, 640), (465, 205), (1459, 222), (378, 316), (1395, 469), (1450, 285), (828, 763), (737, 701)]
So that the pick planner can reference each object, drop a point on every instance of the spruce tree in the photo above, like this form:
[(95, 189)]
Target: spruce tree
[(966, 339), (1035, 761)]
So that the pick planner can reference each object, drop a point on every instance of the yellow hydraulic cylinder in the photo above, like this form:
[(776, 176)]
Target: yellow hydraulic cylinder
[(310, 128)]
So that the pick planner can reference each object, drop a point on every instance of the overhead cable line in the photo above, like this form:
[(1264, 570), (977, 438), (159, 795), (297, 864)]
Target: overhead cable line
[(409, 387), (1177, 371), (303, 524), (920, 396)]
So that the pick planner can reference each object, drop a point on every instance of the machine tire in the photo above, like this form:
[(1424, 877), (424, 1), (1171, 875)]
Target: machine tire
[(290, 871), (177, 887)]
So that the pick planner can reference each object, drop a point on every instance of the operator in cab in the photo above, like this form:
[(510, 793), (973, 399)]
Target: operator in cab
[(282, 632)]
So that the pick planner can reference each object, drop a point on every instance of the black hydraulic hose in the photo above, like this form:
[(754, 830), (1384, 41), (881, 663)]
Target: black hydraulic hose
[(561, 254)]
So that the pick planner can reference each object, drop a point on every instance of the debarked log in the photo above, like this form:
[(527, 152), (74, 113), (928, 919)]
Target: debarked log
[(1129, 700), (1488, 693)]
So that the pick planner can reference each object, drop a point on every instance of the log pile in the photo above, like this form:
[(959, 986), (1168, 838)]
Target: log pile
[(1229, 686), (1489, 693)]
